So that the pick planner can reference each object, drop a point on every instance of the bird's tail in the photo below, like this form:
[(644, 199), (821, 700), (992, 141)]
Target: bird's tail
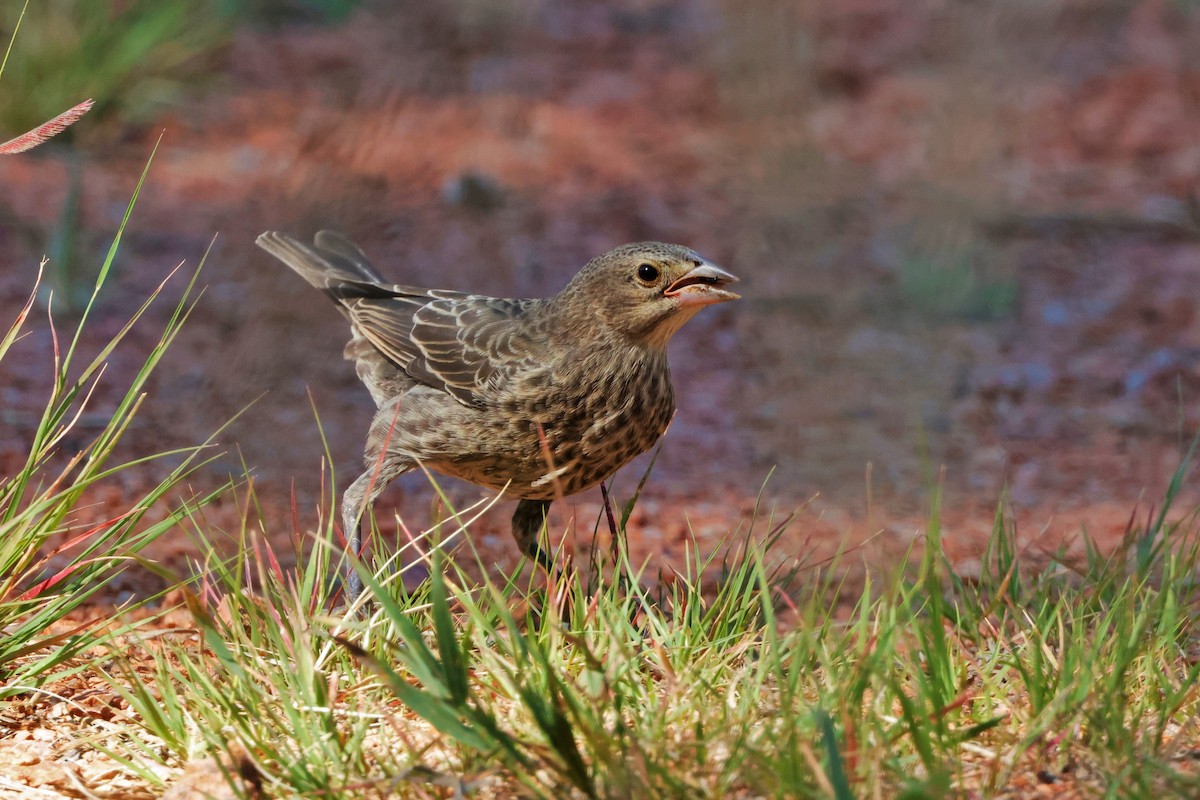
[(332, 263)]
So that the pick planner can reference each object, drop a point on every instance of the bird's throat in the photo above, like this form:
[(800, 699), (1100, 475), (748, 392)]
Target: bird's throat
[(662, 332)]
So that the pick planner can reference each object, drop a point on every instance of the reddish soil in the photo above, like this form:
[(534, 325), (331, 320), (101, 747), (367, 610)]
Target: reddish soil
[(832, 155)]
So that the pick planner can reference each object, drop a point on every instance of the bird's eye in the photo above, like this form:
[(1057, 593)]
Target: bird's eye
[(648, 273)]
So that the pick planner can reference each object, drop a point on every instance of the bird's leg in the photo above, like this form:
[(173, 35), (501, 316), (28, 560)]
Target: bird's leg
[(528, 522), (358, 498), (619, 546), (354, 502)]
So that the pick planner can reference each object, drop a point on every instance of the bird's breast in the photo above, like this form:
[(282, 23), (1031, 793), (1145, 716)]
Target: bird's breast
[(593, 417)]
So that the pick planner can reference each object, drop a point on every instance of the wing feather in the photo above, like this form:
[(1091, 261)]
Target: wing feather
[(469, 346)]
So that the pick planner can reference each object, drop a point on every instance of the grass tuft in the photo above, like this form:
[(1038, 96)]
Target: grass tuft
[(925, 685), (56, 552)]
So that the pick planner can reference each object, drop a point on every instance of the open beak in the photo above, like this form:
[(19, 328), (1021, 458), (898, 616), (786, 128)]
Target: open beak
[(703, 286)]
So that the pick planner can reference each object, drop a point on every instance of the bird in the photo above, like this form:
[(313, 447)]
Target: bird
[(535, 398)]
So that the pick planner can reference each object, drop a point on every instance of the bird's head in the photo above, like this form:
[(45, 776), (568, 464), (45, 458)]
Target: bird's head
[(646, 291)]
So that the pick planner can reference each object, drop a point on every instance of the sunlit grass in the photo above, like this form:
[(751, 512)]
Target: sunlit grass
[(922, 685)]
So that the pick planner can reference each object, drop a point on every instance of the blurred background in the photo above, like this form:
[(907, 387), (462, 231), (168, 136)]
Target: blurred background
[(968, 232)]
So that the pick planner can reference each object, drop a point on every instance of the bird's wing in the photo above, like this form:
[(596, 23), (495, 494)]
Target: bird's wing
[(466, 345), (469, 346)]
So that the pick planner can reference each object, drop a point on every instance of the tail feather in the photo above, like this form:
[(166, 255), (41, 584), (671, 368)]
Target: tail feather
[(337, 267), (346, 254), (334, 264)]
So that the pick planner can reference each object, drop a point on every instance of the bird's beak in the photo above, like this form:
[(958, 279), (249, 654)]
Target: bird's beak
[(702, 286)]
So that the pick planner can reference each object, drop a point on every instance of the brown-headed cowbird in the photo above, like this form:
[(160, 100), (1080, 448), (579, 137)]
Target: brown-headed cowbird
[(537, 398)]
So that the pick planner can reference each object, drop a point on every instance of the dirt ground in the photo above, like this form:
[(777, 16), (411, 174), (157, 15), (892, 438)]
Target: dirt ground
[(969, 241)]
